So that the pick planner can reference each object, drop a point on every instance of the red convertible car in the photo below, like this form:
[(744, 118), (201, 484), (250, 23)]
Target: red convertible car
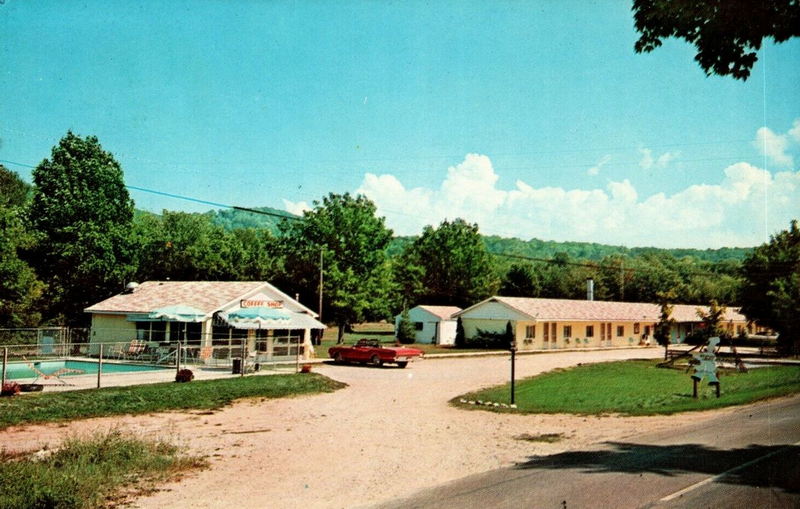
[(371, 351)]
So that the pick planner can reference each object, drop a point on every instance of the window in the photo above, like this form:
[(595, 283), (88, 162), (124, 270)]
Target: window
[(530, 331), (188, 333), (620, 331), (568, 331), (418, 325), (151, 331), (589, 331), (636, 328), (546, 332)]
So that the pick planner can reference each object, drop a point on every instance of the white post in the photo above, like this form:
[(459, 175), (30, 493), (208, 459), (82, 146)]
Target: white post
[(100, 366)]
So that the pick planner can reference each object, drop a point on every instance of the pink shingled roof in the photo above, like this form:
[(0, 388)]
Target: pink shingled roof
[(595, 310), (443, 312), (207, 296)]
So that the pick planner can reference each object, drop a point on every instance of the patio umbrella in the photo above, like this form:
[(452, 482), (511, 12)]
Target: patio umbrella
[(177, 313), (257, 317)]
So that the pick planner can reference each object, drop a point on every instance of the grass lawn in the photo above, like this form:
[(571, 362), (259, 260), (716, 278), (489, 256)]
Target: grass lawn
[(89, 472), (635, 388), (138, 399)]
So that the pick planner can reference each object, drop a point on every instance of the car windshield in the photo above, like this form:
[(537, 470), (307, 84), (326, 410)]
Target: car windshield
[(368, 342)]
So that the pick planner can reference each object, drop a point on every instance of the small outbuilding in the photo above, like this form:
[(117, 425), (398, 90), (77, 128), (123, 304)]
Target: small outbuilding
[(432, 324)]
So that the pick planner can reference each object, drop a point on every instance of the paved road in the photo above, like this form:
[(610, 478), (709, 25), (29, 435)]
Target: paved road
[(748, 458)]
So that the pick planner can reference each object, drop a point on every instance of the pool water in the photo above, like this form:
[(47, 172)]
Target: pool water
[(15, 370)]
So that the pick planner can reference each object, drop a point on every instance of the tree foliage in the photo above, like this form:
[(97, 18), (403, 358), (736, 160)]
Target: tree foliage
[(405, 332), (726, 33), (352, 240), (455, 267), (711, 322), (521, 280), (20, 288), (771, 292), (81, 214)]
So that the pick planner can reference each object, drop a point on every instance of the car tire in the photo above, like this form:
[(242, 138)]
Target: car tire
[(376, 361), (338, 359), (402, 364)]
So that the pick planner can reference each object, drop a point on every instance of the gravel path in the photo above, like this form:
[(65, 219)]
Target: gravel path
[(387, 435)]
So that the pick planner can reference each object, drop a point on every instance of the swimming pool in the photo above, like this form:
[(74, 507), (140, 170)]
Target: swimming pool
[(16, 370)]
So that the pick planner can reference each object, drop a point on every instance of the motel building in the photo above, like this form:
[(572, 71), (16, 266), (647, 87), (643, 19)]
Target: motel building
[(214, 320), (546, 324)]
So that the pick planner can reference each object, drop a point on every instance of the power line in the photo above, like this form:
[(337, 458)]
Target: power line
[(215, 204)]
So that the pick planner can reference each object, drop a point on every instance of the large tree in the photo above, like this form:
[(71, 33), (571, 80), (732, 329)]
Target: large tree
[(82, 215), (343, 235), (771, 293), (20, 288), (456, 268), (726, 33)]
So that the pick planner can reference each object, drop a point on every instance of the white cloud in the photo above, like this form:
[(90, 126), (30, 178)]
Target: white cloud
[(595, 170), (794, 132), (296, 208), (774, 146), (742, 209), (649, 161)]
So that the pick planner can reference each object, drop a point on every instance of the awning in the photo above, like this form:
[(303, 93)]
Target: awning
[(269, 318), (178, 313)]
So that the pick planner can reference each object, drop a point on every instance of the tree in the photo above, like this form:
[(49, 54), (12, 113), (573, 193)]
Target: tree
[(14, 192), (663, 327), (405, 329), (456, 267), (352, 241), (771, 292), (461, 338), (509, 335), (20, 289), (711, 321), (726, 33), (520, 281), (81, 214)]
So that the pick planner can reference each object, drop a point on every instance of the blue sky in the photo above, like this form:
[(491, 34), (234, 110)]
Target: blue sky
[(533, 119)]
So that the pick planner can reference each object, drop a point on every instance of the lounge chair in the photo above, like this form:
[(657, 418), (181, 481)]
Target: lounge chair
[(136, 349), (55, 375)]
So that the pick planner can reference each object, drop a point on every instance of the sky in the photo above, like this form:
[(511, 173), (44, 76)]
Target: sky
[(532, 119)]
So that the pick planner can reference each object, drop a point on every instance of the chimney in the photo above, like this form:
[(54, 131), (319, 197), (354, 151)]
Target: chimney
[(589, 289)]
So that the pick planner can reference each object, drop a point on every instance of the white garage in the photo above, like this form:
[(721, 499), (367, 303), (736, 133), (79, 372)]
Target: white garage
[(432, 324)]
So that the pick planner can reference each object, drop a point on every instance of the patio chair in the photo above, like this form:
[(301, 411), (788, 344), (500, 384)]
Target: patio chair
[(55, 375), (135, 350)]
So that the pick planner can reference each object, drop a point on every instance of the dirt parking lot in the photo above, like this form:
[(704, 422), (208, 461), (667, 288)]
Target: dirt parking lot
[(387, 435)]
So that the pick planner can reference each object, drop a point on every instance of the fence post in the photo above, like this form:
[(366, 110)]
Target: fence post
[(100, 366), (5, 361), (244, 357)]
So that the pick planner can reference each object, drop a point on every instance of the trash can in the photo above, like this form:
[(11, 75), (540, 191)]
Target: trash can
[(237, 366)]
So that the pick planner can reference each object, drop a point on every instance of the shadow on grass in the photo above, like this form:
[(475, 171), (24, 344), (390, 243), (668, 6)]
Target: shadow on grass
[(781, 470)]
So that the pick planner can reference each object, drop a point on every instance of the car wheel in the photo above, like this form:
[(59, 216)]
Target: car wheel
[(402, 364), (338, 359), (376, 361)]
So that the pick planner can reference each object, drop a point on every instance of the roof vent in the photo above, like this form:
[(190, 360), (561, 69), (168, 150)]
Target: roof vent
[(131, 287)]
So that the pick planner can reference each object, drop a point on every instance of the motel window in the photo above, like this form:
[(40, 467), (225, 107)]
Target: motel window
[(188, 333), (636, 328), (530, 331), (418, 325), (151, 331), (620, 331), (568, 331), (590, 331)]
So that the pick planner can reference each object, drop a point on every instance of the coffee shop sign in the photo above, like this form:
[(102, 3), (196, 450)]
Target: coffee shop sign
[(254, 303)]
